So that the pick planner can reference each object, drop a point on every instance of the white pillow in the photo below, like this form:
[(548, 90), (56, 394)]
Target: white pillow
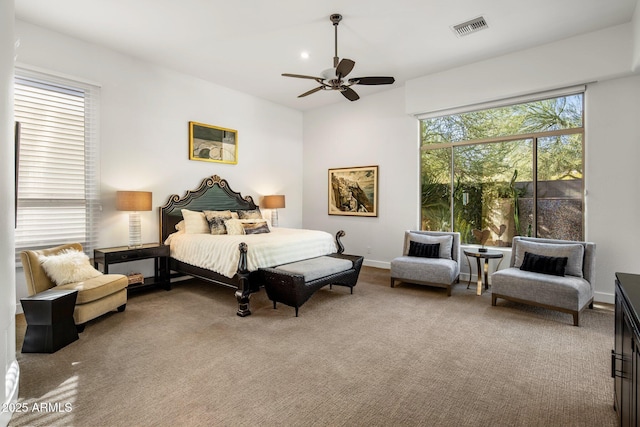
[(195, 222), (234, 226), (68, 266)]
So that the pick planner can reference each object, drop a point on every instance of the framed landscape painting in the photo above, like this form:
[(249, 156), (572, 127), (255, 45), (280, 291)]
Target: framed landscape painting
[(212, 144), (353, 191)]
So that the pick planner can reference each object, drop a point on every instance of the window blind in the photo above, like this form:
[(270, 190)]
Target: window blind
[(58, 187)]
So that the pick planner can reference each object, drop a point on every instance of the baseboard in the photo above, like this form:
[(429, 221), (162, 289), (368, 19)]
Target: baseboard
[(604, 297), (377, 264)]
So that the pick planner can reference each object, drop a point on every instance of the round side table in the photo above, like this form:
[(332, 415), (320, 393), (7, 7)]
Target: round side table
[(489, 254)]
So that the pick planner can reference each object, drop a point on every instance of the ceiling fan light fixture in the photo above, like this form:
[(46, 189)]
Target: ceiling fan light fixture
[(329, 74), (334, 78)]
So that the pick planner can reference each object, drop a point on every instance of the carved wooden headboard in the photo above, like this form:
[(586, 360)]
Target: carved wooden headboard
[(213, 194)]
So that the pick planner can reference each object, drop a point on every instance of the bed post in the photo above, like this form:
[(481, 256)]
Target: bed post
[(243, 293), (340, 234)]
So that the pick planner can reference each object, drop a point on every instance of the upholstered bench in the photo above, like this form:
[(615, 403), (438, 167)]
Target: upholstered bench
[(293, 284)]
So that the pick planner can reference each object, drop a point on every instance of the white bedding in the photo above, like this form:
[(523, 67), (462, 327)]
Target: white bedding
[(220, 253)]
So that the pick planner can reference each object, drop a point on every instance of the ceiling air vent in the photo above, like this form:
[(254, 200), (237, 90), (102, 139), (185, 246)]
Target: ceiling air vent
[(471, 26)]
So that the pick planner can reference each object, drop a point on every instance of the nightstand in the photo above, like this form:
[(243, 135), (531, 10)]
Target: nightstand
[(50, 324), (160, 254)]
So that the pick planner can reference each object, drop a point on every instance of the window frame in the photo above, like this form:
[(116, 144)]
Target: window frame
[(90, 194), (534, 137)]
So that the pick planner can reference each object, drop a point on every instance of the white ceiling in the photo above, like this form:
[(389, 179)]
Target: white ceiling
[(247, 44)]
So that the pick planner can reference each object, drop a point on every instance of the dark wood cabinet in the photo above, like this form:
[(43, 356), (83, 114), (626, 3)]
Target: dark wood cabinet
[(160, 254), (625, 358)]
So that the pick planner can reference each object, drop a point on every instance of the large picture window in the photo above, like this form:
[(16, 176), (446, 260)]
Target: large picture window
[(58, 188), (513, 170)]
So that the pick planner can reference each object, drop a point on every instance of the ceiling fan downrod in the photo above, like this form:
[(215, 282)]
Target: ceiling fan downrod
[(335, 18)]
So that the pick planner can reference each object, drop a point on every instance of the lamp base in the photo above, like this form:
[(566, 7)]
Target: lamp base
[(135, 230), (274, 218)]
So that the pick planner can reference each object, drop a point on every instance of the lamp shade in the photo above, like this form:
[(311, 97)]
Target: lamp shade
[(133, 201), (273, 202)]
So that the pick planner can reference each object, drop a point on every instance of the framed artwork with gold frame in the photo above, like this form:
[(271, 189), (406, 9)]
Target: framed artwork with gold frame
[(353, 191), (212, 143)]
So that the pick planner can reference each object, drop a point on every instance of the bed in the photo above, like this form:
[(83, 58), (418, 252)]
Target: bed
[(233, 260)]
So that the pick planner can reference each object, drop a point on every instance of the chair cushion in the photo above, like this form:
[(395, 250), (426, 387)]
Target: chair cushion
[(433, 270), (446, 242), (97, 287), (569, 292), (573, 251), (315, 268)]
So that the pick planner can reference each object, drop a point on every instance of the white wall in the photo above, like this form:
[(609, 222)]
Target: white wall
[(144, 114), (577, 60), (9, 368), (612, 178), (371, 131), (354, 134)]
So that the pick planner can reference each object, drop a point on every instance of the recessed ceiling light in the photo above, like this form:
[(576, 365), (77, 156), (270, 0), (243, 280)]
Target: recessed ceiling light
[(304, 54)]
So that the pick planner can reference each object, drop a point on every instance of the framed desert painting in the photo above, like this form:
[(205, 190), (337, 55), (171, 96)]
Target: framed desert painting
[(212, 144), (353, 191)]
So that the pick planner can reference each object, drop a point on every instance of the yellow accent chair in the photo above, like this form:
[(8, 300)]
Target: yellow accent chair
[(96, 296)]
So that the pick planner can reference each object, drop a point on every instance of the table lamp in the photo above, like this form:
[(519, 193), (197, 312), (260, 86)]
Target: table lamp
[(134, 202), (273, 202)]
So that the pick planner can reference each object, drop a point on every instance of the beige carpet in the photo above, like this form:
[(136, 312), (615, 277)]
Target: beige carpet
[(382, 356)]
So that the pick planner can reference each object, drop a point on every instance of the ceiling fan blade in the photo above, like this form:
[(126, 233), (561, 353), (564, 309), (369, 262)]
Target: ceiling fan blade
[(300, 76), (344, 67), (372, 80), (350, 94), (311, 91)]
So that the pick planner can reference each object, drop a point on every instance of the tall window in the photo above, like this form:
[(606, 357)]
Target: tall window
[(513, 170), (58, 180)]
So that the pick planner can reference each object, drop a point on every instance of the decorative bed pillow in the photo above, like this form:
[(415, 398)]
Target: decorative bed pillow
[(424, 250), (446, 242), (195, 222), (250, 214), (68, 266), (544, 264), (217, 214), (252, 226), (216, 225), (180, 225), (216, 221), (233, 226), (573, 251)]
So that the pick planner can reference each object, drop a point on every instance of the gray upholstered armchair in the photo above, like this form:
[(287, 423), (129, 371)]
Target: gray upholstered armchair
[(568, 289), (418, 264)]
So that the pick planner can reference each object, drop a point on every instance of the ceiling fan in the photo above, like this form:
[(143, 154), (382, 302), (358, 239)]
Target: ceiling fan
[(334, 78)]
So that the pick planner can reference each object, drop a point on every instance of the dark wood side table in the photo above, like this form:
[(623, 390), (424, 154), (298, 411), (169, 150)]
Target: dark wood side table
[(487, 255), (49, 317), (160, 254)]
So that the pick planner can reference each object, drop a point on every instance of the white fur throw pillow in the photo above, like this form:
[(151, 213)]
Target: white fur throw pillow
[(68, 266)]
